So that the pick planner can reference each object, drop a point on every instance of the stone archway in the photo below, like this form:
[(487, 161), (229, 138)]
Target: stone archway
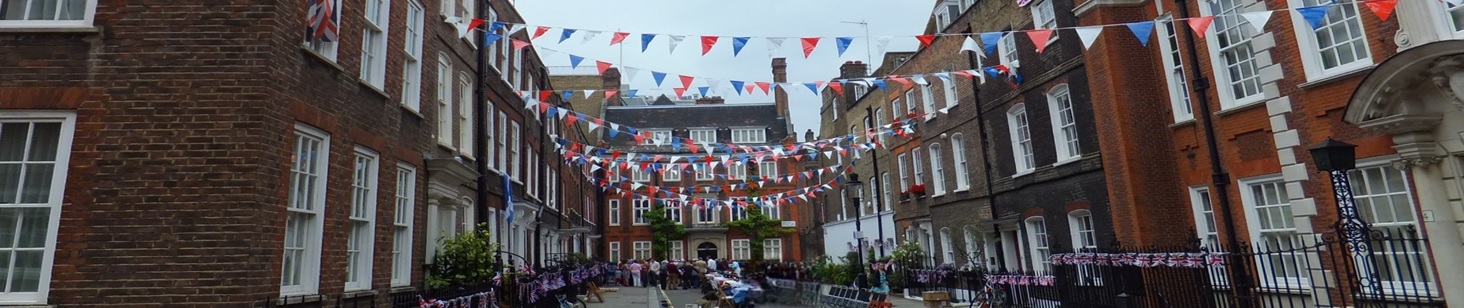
[(706, 250)]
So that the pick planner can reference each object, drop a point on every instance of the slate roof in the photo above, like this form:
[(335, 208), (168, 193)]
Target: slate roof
[(680, 117)]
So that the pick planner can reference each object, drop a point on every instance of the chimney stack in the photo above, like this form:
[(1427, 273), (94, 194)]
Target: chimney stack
[(711, 100), (611, 81), (780, 75), (853, 69)]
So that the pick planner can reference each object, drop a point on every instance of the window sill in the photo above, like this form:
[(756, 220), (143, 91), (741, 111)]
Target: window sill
[(374, 88), (298, 299), (962, 189), (1024, 173), (358, 294), (1069, 160), (415, 112), (52, 29), (1242, 107), (1336, 76), (1185, 122), (323, 59), (401, 288), (447, 147)]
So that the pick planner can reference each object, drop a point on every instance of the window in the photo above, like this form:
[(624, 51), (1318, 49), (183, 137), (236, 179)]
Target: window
[(878, 121), (768, 168), (895, 108), (736, 171), (503, 138), (1179, 95), (869, 202), (704, 135), (678, 250), (1064, 123), (660, 136), (748, 135), (1007, 50), (465, 110), (1239, 83), (638, 175), (449, 9), (615, 251), (639, 209), (614, 211), (1268, 214), (739, 212), (1043, 16), (917, 166), (51, 13), (1204, 217), (741, 250), (1339, 43), (707, 213), (492, 153), (958, 155), (1037, 240), (937, 171), (859, 90), (771, 210), (884, 185), (946, 247), (513, 152), (35, 149), (322, 29), (306, 216), (929, 102), (1021, 139), (642, 249), (1450, 19), (843, 204), (373, 43), (950, 92), (703, 172), (401, 250), (904, 175), (363, 210), (673, 212), (671, 173), (412, 62), (910, 102), (444, 100), (834, 110), (515, 76), (1383, 200), (1080, 224), (773, 249)]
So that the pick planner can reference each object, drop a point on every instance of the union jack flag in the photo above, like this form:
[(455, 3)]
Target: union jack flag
[(323, 21)]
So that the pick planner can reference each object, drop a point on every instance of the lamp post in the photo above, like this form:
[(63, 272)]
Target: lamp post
[(1337, 158), (879, 186), (857, 186)]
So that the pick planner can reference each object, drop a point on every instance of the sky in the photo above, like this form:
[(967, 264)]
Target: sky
[(694, 18)]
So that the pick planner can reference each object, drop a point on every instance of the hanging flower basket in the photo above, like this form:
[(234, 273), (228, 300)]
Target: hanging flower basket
[(918, 191)]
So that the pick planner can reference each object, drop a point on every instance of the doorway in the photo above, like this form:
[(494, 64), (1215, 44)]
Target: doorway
[(706, 250)]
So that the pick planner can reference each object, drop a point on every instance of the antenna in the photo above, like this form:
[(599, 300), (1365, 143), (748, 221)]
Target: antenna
[(868, 51)]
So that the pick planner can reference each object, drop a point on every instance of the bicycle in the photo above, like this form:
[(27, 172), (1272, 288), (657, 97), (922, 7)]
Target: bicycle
[(989, 297), (570, 301)]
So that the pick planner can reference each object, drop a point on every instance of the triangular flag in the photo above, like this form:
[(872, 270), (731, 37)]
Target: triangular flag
[(748, 88), (708, 42), (646, 41), (809, 43), (703, 90), (881, 84), (630, 73), (925, 40), (774, 43), (567, 32), (880, 44), (969, 45), (490, 38), (609, 94), (811, 87), (837, 86), (602, 66), (659, 76), (737, 44), (589, 35), (675, 40), (539, 31), (1201, 24), (843, 44), (618, 37), (1314, 15), (473, 25), (1142, 30), (574, 61), (680, 92), (632, 92), (764, 86), (1039, 38), (515, 28), (1088, 35), (1383, 8), (1257, 19), (568, 94), (588, 93), (989, 40), (686, 81), (517, 44), (737, 86)]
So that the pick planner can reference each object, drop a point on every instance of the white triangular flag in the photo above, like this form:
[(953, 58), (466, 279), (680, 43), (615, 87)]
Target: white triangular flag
[(515, 28), (981, 77), (630, 73), (713, 83), (1258, 19), (970, 45), (562, 112), (774, 43), (589, 35), (675, 40), (880, 44), (1088, 35), (588, 93), (593, 126), (920, 80)]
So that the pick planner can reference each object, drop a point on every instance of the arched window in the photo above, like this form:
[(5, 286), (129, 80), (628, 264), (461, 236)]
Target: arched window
[(947, 248), (1037, 244)]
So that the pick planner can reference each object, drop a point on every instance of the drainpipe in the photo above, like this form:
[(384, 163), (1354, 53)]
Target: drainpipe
[(975, 63), (480, 129)]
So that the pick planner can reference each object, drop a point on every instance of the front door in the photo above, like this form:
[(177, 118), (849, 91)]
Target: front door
[(706, 250)]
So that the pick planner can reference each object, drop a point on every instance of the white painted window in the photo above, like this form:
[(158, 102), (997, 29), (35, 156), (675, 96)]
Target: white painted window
[(412, 60), (771, 210), (639, 175), (660, 136), (449, 9), (503, 137), (1273, 228), (1021, 135), (916, 165), (515, 71), (895, 107), (884, 183), (402, 221), (843, 204), (1064, 123), (904, 175), (768, 168), (741, 249), (950, 92), (859, 90), (773, 249), (469, 10), (678, 250), (1239, 82), (878, 122), (958, 155), (928, 101), (910, 102), (704, 173), (738, 212), (35, 150), (671, 172), (1080, 225), (970, 236), (946, 13), (514, 163), (1007, 50), (673, 212), (613, 212), (304, 223), (869, 206), (748, 135), (615, 251), (1338, 46), (322, 25), (707, 135), (639, 207), (1205, 227), (444, 100), (642, 249), (362, 220), (736, 171), (1179, 95), (48, 13), (834, 110), (1037, 243), (532, 178), (1450, 18), (707, 212), (373, 43), (937, 171), (465, 144), (491, 147), (1384, 201), (1043, 16)]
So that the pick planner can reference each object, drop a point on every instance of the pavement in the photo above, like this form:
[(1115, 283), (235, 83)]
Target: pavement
[(635, 297)]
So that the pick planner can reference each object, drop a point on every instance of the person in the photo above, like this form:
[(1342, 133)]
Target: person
[(635, 273), (711, 264), (881, 285), (655, 272), (734, 268), (673, 275)]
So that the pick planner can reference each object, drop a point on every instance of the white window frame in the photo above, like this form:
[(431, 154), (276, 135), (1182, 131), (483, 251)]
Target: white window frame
[(613, 212), (503, 136), (1283, 228), (937, 171), (404, 217), (950, 92), (1399, 196), (412, 58), (1084, 237), (736, 211), (884, 183), (772, 249), (1044, 17), (1228, 22), (904, 174), (449, 9), (314, 206), (1037, 244), (1449, 21), (736, 171), (704, 172), (741, 249), (642, 249), (673, 212), (639, 175), (1342, 17), (53, 202), (671, 172), (444, 101), (88, 14), (513, 155), (707, 213), (491, 139), (767, 168), (325, 49), (465, 145), (677, 250), (771, 210), (917, 166), (639, 207), (859, 90), (1020, 130), (878, 122), (928, 101), (373, 43), (1174, 71), (702, 134), (660, 136), (615, 251), (362, 220), (869, 206), (910, 102), (1064, 124), (1203, 207), (958, 156), (749, 135), (1007, 50), (947, 248)]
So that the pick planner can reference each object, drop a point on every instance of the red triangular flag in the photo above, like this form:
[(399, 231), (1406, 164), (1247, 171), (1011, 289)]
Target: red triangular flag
[(764, 86), (602, 66), (1039, 38), (619, 37), (901, 80), (608, 94), (475, 23), (679, 92), (925, 40), (543, 95), (1383, 8), (539, 32), (543, 107), (707, 43), (569, 119), (517, 44), (809, 43), (686, 80), (838, 87), (1200, 24), (749, 89)]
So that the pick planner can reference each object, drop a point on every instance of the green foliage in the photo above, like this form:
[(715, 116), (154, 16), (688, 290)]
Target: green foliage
[(464, 260), (758, 226), (827, 271), (906, 256), (663, 230)]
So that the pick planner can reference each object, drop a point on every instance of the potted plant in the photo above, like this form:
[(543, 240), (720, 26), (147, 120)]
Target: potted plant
[(918, 190), (905, 196)]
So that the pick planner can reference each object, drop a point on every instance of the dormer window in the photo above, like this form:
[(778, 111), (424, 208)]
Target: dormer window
[(946, 13)]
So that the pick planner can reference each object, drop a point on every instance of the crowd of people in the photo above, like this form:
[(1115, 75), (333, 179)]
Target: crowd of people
[(671, 274)]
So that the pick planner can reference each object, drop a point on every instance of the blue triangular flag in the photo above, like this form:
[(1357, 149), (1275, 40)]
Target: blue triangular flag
[(880, 83), (1314, 14), (811, 87), (843, 43), (737, 86), (632, 92), (613, 132), (646, 41), (989, 40), (494, 28), (567, 33), (703, 90), (553, 112), (737, 43), (490, 38), (993, 72), (574, 61), (1142, 30), (659, 77)]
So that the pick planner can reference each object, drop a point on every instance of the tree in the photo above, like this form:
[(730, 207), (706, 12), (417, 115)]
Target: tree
[(758, 226), (663, 230)]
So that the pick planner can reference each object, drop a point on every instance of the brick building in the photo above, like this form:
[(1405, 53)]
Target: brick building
[(222, 154)]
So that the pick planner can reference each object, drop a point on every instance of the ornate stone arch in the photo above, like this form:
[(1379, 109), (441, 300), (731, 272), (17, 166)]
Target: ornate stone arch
[(1407, 96)]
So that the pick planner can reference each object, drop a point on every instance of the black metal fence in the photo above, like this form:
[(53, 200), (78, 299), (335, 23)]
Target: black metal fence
[(515, 288)]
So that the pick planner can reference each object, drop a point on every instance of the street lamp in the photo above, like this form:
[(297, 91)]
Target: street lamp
[(1337, 158), (858, 188)]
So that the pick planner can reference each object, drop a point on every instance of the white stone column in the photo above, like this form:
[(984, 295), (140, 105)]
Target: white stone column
[(1417, 23), (1441, 201)]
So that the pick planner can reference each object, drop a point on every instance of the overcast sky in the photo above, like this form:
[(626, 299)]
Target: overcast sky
[(755, 18)]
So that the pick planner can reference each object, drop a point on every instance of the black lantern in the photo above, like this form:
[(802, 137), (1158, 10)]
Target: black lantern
[(1333, 155), (854, 184)]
